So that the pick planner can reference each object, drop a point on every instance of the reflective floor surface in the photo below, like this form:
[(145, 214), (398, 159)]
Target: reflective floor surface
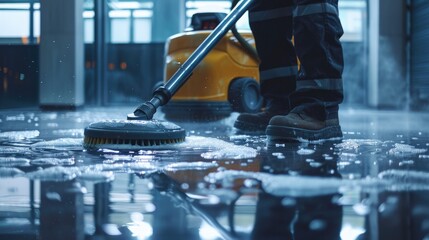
[(218, 184)]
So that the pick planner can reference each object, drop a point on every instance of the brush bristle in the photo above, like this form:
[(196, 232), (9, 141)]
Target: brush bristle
[(92, 142), (131, 134)]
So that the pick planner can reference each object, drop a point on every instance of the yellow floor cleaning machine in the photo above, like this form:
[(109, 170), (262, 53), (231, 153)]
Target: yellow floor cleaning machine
[(226, 80), (140, 130)]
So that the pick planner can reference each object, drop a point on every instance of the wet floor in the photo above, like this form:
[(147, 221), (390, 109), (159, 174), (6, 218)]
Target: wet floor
[(218, 184)]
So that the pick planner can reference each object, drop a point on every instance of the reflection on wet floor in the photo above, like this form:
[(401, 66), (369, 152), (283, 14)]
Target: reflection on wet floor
[(218, 184)]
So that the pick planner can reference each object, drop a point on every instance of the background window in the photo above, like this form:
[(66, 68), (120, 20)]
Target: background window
[(193, 7), (130, 21), (353, 17), (14, 22)]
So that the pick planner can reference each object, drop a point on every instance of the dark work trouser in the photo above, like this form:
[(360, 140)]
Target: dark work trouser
[(316, 29)]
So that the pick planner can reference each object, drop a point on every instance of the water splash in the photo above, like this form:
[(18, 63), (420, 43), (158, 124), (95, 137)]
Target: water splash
[(48, 116), (128, 167), (69, 133), (116, 167), (320, 141), (62, 155), (111, 158), (13, 162), (239, 137), (408, 177), (304, 151), (285, 185), (190, 166), (142, 167), (231, 152), (362, 208), (402, 150), (7, 150), (53, 161), (217, 149), (278, 155), (19, 135), (216, 196), (57, 174), (97, 176), (348, 156), (355, 144), (62, 144), (19, 117), (7, 172)]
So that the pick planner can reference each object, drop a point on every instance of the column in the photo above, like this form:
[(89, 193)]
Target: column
[(61, 54), (168, 19), (388, 83)]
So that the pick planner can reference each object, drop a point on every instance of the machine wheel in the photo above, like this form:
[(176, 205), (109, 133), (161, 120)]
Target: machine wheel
[(244, 95)]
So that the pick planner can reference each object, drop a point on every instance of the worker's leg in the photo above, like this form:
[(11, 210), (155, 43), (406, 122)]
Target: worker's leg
[(317, 32), (271, 24)]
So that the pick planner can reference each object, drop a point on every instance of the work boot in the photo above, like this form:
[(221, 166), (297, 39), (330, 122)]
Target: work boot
[(255, 122), (301, 127), (258, 122)]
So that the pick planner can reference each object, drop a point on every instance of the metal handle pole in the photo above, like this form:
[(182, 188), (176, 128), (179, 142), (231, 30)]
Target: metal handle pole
[(163, 94)]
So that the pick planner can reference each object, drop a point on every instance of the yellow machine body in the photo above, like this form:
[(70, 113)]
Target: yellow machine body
[(211, 78)]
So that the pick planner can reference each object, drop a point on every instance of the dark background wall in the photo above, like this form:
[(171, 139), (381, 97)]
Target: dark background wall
[(19, 74), (132, 71), (419, 54)]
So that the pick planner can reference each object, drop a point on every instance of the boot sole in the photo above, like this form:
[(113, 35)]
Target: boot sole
[(249, 127), (303, 135)]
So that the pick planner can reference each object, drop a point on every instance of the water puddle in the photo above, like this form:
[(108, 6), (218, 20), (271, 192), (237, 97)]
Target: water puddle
[(214, 168)]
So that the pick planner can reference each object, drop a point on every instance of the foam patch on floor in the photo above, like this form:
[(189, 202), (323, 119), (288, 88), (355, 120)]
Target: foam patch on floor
[(218, 149)]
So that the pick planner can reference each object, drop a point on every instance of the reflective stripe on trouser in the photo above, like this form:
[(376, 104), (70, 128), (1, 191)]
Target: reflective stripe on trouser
[(324, 84), (272, 26)]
